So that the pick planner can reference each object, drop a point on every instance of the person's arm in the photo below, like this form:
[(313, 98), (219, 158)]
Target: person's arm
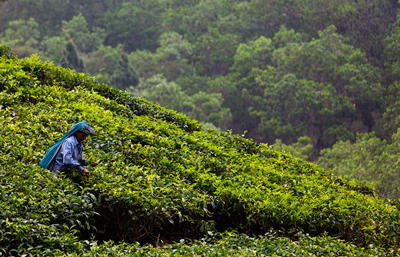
[(84, 161), (67, 149)]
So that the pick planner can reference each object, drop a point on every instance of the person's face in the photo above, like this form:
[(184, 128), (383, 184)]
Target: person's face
[(80, 136)]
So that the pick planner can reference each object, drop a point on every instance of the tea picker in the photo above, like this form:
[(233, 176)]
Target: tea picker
[(68, 151)]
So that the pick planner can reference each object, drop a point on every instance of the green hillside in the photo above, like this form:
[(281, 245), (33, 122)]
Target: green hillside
[(280, 70), (318, 79), (164, 186)]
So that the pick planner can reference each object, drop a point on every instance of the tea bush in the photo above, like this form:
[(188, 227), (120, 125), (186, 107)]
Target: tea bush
[(233, 244), (162, 178)]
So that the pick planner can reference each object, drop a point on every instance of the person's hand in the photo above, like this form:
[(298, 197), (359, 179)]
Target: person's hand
[(87, 173), (95, 164)]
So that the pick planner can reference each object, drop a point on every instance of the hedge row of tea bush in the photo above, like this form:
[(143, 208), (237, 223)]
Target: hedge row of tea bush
[(233, 244), (161, 178)]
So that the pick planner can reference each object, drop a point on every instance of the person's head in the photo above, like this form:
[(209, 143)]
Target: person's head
[(80, 136), (83, 132)]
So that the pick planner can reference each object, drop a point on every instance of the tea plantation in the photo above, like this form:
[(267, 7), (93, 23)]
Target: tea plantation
[(164, 187)]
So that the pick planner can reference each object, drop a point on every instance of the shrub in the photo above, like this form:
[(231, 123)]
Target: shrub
[(162, 178)]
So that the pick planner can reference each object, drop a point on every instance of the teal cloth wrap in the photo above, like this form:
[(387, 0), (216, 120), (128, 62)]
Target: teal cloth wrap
[(82, 126)]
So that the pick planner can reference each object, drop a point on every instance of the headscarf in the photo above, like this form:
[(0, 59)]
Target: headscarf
[(47, 160), (86, 129)]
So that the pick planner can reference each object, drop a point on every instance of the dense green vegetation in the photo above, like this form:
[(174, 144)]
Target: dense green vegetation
[(316, 80), (162, 179), (370, 160), (240, 65), (277, 71)]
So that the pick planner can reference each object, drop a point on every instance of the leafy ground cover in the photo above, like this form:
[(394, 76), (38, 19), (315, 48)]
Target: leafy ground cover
[(232, 244), (161, 179)]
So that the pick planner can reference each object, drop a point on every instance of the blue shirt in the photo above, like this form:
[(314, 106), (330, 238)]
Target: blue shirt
[(69, 156)]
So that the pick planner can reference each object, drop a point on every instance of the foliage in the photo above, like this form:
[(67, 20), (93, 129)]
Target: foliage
[(111, 66), (161, 179), (78, 31), (71, 59), (135, 24), (201, 106), (169, 94), (174, 52), (345, 50), (283, 71), (22, 36), (50, 49), (391, 117), (302, 148), (370, 160), (337, 95), (214, 53), (6, 52), (234, 244)]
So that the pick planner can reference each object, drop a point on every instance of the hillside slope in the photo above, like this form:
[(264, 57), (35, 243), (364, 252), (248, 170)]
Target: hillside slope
[(162, 178)]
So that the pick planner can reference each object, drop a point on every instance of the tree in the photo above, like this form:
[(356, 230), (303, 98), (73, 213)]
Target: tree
[(167, 94), (71, 59), (302, 148), (213, 53), (124, 75), (85, 40), (111, 66), (255, 54), (169, 59), (145, 63), (200, 18), (49, 49), (22, 36), (369, 159), (288, 87), (391, 117), (296, 107), (135, 25), (204, 107), (174, 52), (71, 47), (209, 109)]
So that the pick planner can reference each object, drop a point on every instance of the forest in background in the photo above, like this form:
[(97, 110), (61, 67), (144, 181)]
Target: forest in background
[(316, 78)]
